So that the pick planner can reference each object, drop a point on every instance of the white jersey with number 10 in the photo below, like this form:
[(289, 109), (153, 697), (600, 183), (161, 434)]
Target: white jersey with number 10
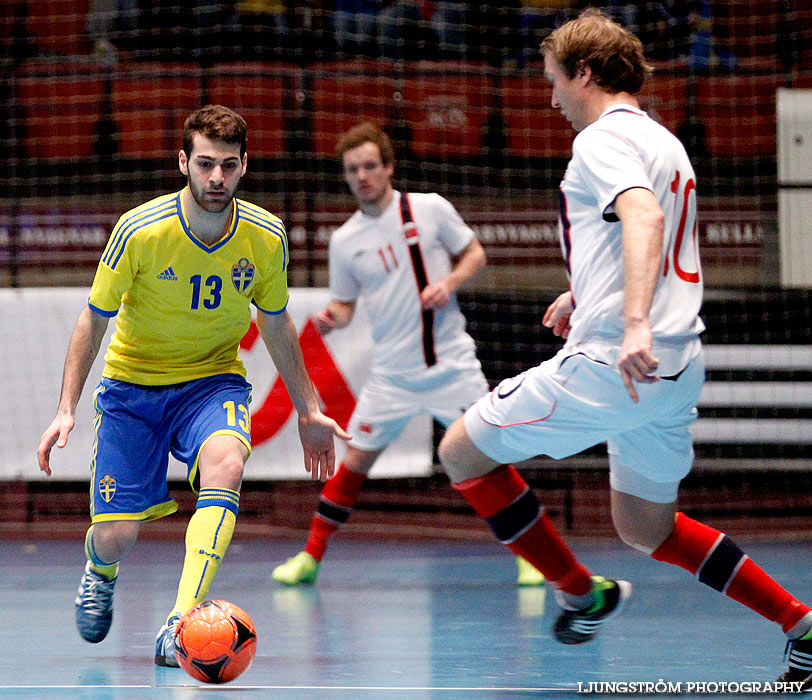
[(625, 149)]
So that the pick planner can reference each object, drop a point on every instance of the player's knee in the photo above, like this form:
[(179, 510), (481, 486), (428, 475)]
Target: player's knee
[(360, 461), (448, 449), (633, 541), (642, 537), (229, 471), (460, 458), (112, 539), (221, 462)]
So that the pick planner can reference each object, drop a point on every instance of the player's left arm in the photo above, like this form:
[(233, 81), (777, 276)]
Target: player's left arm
[(469, 261), (643, 231), (316, 430)]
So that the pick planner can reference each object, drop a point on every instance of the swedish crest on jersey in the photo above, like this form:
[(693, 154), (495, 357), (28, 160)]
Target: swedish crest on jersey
[(242, 274), (107, 488)]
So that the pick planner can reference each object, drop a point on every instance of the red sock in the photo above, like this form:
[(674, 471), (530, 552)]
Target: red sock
[(505, 500), (718, 562), (338, 498)]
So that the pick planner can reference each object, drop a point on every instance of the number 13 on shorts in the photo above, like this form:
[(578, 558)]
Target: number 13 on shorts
[(237, 416)]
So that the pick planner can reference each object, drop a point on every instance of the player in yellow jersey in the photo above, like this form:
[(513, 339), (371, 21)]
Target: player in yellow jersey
[(179, 274)]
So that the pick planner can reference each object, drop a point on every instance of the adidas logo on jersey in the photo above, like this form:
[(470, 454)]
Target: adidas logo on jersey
[(168, 274)]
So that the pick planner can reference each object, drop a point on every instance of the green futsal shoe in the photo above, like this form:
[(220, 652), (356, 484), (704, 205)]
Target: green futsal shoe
[(529, 575), (302, 568), (579, 626)]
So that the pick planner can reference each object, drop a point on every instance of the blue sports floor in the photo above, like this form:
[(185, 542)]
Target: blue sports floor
[(387, 620)]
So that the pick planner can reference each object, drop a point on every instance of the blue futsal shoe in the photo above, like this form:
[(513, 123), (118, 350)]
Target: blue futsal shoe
[(165, 654), (94, 605)]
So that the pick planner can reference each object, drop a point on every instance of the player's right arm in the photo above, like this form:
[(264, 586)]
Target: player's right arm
[(469, 261), (338, 314), (84, 345), (643, 222), (558, 314)]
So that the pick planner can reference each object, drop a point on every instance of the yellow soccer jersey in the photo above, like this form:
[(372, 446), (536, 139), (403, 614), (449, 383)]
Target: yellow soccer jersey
[(182, 306)]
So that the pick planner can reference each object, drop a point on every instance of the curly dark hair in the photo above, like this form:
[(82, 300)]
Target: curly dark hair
[(217, 123)]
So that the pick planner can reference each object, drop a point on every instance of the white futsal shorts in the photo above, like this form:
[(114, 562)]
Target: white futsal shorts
[(387, 404), (570, 403)]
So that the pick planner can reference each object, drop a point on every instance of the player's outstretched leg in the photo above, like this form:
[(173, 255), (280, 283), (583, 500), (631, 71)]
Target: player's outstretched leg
[(208, 536), (514, 514), (717, 561), (336, 503), (94, 605), (578, 625)]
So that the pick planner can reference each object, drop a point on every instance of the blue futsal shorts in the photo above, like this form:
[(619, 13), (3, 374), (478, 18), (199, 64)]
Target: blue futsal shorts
[(138, 426)]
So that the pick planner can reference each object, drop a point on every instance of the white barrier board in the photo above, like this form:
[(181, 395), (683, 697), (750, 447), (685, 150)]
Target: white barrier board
[(35, 326)]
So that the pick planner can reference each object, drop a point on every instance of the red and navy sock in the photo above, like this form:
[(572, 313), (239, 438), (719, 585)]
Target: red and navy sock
[(514, 514), (338, 498), (717, 561)]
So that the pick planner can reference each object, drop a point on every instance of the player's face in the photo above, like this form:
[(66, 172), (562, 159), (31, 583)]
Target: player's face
[(213, 171), (368, 178), (568, 95)]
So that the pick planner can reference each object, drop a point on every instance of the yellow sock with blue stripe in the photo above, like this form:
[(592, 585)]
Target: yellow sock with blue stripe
[(207, 538), (108, 570)]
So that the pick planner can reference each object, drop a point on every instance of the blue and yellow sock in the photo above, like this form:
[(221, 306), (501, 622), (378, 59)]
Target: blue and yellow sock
[(207, 538), (107, 569)]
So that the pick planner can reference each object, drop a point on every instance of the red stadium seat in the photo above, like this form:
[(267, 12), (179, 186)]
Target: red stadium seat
[(344, 94), (59, 26), (60, 110), (738, 113), (447, 108), (262, 94), (535, 129), (150, 104)]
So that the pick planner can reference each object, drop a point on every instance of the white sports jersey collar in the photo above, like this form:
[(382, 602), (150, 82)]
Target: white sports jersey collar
[(622, 108)]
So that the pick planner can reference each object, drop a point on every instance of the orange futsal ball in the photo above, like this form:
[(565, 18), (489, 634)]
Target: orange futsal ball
[(215, 641)]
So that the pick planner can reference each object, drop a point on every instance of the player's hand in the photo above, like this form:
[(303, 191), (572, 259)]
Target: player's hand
[(316, 433), (324, 322), (636, 363), (435, 296), (558, 315), (55, 434)]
